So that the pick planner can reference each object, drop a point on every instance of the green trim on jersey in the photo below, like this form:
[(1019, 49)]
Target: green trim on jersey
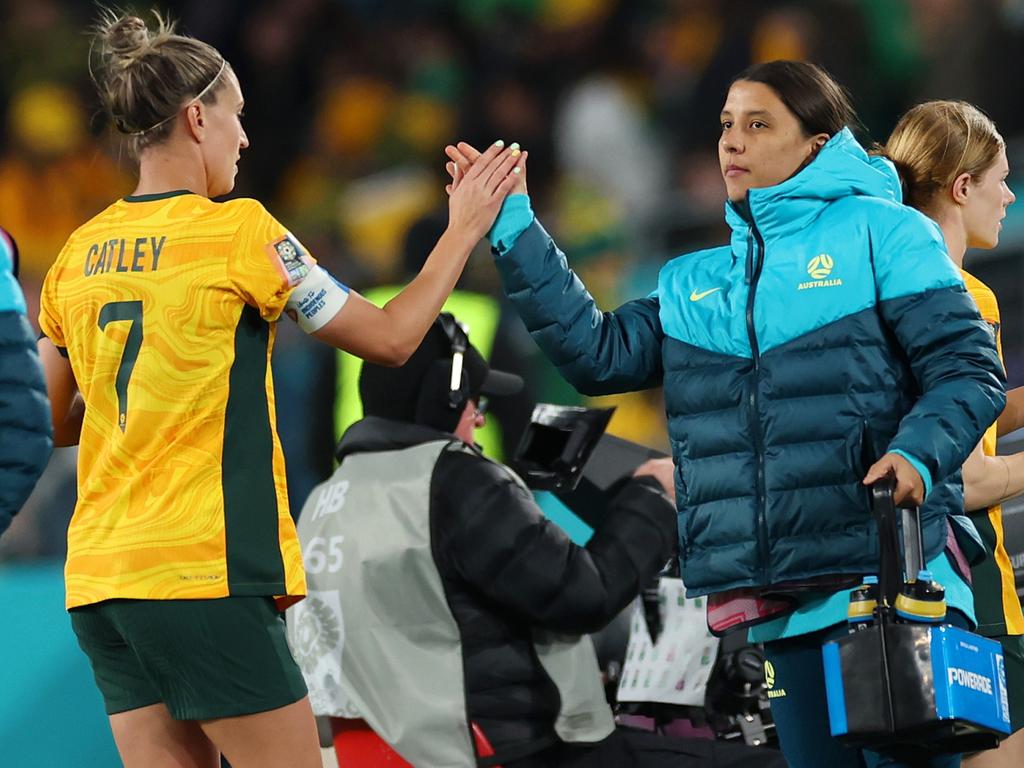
[(987, 582), (254, 562), (156, 196)]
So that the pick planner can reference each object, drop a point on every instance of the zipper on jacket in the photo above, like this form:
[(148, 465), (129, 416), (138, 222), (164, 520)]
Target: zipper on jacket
[(755, 261)]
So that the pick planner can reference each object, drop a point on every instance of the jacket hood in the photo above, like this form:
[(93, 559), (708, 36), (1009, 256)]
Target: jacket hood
[(841, 169)]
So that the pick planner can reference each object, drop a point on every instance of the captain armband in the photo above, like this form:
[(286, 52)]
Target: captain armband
[(316, 300)]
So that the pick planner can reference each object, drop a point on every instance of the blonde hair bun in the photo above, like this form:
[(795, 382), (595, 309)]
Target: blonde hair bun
[(145, 76), (126, 38)]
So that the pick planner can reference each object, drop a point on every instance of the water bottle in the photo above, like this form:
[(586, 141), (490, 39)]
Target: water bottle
[(921, 600), (863, 601)]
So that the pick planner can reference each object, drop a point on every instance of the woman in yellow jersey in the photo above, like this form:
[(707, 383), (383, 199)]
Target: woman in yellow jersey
[(158, 319), (952, 162)]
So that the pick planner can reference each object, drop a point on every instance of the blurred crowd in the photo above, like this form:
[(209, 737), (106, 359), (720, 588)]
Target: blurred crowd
[(349, 104)]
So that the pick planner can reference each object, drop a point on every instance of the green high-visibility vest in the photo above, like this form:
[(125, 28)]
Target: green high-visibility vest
[(477, 311)]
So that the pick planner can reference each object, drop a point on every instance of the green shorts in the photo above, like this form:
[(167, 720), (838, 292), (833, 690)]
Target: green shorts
[(204, 659)]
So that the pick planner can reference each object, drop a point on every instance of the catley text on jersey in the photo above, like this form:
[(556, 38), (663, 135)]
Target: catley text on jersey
[(120, 255)]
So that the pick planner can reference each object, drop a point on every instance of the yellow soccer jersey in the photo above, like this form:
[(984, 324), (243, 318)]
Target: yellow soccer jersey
[(1002, 609), (166, 307)]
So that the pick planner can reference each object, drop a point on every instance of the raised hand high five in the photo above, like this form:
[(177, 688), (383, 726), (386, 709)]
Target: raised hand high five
[(464, 157), (478, 190), (389, 334)]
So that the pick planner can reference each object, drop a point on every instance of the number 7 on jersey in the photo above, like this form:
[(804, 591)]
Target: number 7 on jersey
[(114, 312)]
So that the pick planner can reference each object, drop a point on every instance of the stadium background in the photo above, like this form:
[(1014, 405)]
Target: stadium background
[(349, 103)]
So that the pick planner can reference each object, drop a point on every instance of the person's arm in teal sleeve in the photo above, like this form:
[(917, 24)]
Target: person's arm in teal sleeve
[(950, 349), (599, 353), (513, 219)]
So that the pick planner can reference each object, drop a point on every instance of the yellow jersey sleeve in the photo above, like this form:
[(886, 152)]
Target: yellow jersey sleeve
[(269, 263), (988, 306), (49, 309)]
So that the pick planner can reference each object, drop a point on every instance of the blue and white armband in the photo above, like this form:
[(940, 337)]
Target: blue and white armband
[(316, 299)]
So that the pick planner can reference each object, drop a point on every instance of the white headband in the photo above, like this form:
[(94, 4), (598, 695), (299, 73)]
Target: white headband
[(223, 63)]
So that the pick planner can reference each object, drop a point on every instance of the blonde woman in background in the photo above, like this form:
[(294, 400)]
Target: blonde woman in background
[(952, 163)]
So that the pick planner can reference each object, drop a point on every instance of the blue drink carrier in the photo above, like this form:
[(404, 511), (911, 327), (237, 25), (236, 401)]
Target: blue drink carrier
[(902, 683)]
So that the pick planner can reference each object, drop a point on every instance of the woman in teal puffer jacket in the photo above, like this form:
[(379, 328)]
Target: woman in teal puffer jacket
[(829, 344)]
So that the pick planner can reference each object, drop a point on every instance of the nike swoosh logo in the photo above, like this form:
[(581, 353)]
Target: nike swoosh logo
[(698, 296)]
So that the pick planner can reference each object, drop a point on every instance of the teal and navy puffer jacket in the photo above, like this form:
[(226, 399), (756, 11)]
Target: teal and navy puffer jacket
[(833, 328), (25, 425)]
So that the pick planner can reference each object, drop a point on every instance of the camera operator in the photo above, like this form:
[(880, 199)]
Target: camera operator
[(444, 606)]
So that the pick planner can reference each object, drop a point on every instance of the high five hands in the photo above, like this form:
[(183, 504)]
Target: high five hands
[(464, 158), (477, 191)]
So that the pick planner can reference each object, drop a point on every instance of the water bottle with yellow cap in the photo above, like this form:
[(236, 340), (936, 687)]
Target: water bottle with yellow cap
[(921, 600), (863, 602)]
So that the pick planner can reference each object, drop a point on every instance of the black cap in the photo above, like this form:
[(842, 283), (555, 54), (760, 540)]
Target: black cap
[(419, 391)]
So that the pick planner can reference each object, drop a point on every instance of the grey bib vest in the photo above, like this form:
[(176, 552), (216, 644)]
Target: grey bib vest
[(376, 639)]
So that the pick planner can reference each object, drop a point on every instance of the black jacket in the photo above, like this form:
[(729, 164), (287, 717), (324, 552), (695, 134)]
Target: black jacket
[(505, 569)]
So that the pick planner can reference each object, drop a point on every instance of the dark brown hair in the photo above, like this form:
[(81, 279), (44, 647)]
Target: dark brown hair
[(144, 77), (819, 103)]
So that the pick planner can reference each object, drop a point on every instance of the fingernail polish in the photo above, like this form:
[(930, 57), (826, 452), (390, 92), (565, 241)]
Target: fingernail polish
[(499, 143), (514, 146), (517, 170), (516, 153)]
